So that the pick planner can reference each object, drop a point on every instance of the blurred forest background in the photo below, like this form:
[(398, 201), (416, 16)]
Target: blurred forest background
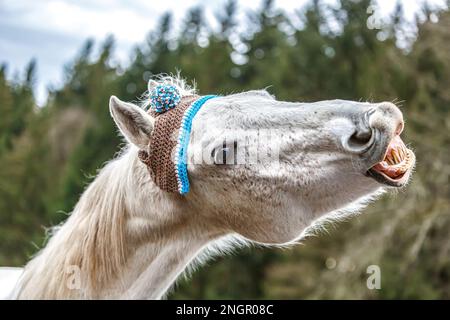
[(49, 154)]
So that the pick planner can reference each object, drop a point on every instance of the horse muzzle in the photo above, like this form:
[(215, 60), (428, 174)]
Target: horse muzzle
[(376, 140), (392, 162)]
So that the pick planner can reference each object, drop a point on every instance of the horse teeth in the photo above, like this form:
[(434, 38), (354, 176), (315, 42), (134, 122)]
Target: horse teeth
[(391, 158), (387, 158), (396, 156), (403, 153)]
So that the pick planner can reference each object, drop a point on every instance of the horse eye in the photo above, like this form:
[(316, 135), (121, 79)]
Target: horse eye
[(225, 154)]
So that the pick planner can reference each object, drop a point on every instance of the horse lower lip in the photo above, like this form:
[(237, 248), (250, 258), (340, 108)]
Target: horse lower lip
[(383, 179)]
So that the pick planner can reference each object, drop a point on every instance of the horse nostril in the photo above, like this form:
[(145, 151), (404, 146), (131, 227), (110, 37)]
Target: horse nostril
[(359, 141), (361, 137)]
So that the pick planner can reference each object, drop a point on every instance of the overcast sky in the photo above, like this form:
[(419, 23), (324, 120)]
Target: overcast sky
[(52, 31)]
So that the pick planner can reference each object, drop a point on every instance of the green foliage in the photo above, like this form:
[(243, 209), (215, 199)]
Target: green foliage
[(48, 155)]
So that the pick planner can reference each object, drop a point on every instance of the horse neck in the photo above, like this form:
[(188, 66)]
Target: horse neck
[(124, 239)]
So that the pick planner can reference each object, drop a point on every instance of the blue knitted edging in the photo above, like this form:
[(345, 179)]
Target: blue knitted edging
[(183, 141)]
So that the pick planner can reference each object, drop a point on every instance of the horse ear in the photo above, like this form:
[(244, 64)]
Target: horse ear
[(133, 122)]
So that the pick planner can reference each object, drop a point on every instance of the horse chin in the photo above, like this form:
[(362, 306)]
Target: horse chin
[(384, 179)]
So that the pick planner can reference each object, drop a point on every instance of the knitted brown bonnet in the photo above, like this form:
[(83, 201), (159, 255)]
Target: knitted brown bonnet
[(165, 156), (159, 157)]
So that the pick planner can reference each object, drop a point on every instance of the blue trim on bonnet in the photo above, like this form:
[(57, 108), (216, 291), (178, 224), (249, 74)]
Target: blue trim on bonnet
[(183, 142)]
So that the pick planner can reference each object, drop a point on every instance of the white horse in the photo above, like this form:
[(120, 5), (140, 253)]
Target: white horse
[(127, 239)]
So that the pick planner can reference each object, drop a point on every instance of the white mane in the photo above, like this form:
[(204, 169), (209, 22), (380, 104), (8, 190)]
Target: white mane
[(91, 239)]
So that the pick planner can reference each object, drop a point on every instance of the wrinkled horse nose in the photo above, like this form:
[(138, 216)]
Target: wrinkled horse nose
[(387, 118)]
